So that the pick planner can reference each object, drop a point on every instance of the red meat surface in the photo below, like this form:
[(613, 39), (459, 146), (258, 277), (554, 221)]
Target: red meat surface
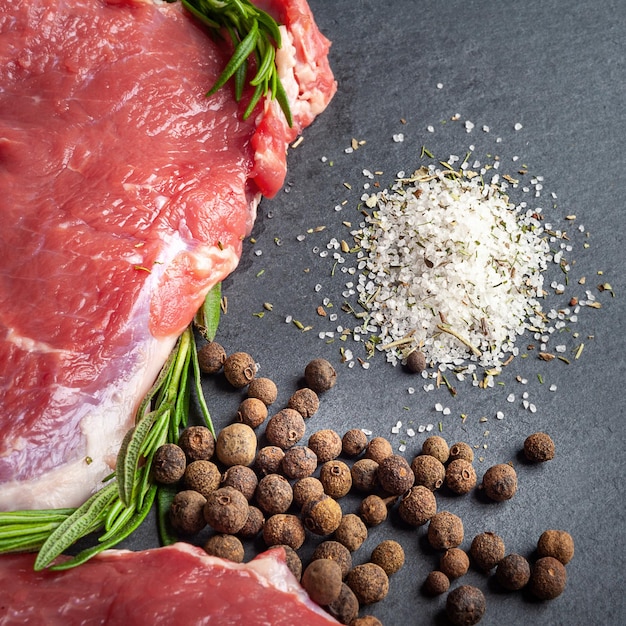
[(125, 194), (179, 584)]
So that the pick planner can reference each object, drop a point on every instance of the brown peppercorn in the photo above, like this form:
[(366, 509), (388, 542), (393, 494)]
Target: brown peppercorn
[(197, 442), (320, 375), (293, 561), (268, 460), (395, 475), (461, 450), (454, 563), (487, 550), (226, 510), (254, 523), (242, 478), (368, 582), (203, 477), (389, 554), (225, 547), (428, 471), (326, 444), (539, 448), (322, 581), (336, 477), (263, 389), (418, 506), (274, 494), (236, 445), (322, 516), (285, 429), (556, 543), (346, 607), (445, 530), (169, 464), (239, 369), (299, 462), (377, 449), (416, 362), (460, 476), (513, 572), (351, 532), (364, 473), (547, 578), (436, 583), (211, 357), (465, 605), (284, 528), (366, 620), (305, 401), (373, 509), (353, 442), (187, 512), (500, 482), (252, 412), (336, 552), (436, 446), (307, 488)]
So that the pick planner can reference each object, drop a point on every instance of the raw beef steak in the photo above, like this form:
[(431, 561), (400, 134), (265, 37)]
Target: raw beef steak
[(125, 195), (179, 584)]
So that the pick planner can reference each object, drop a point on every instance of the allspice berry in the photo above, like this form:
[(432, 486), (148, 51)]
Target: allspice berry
[(322, 516), (254, 523), (556, 543), (460, 476), (336, 477), (373, 510), (320, 375), (299, 462), (500, 482), (395, 475), (436, 446), (268, 460), (465, 605), (436, 583), (539, 448), (203, 477), (366, 620), (461, 450), (236, 445), (305, 401), (336, 552), (487, 550), (242, 478), (226, 547), (293, 561), (284, 528), (368, 582), (364, 474), (445, 531), (389, 554), (513, 572), (274, 494), (416, 362), (326, 444), (226, 510), (197, 442), (454, 563), (252, 412), (211, 357), (322, 581), (547, 578), (239, 369), (377, 449), (169, 464), (285, 428), (353, 442), (307, 488), (351, 532), (187, 512), (263, 389), (418, 506), (429, 471), (345, 608)]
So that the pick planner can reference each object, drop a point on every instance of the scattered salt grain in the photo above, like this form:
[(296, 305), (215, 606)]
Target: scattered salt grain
[(518, 126)]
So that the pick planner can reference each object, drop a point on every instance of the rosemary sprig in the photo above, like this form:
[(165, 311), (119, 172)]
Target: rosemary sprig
[(253, 33), (119, 507)]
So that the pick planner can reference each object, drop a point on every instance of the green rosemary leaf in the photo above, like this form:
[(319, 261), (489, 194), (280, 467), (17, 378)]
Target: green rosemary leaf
[(204, 409), (165, 495), (208, 317)]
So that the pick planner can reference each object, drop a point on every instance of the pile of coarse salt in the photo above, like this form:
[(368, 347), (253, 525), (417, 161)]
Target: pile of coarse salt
[(449, 265)]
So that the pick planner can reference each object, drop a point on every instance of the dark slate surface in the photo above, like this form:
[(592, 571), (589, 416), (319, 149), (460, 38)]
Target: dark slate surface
[(558, 69)]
